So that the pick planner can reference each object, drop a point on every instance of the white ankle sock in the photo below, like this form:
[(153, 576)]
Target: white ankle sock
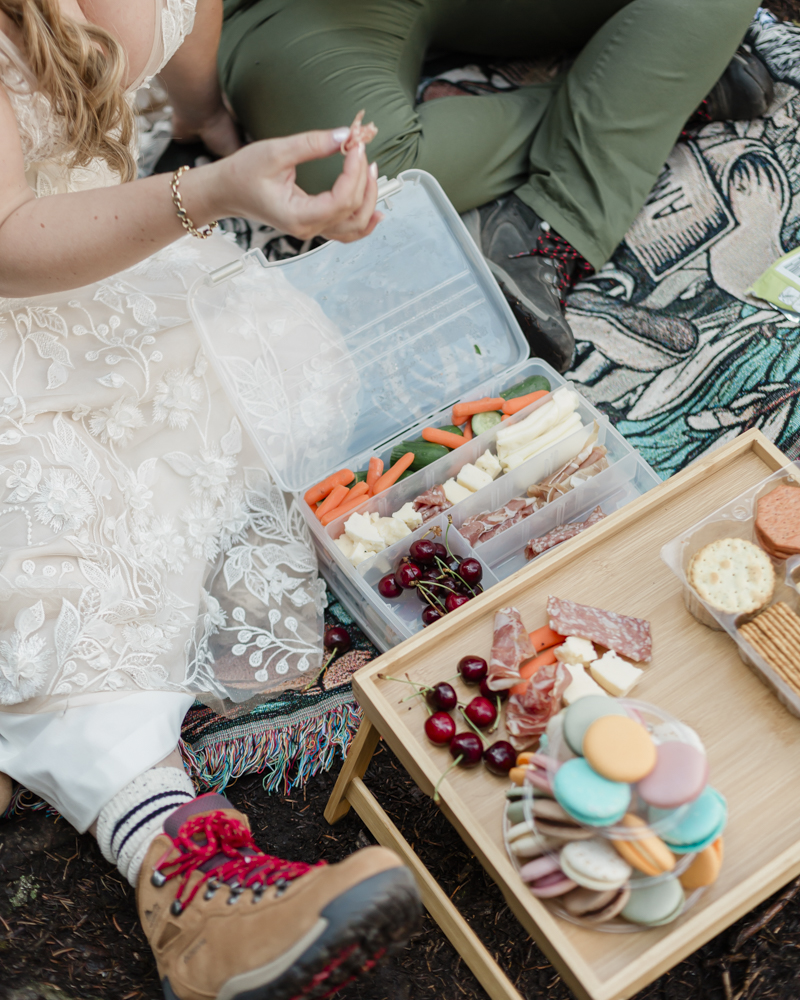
[(127, 825)]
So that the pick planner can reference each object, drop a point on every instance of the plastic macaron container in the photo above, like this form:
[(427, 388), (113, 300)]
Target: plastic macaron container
[(615, 825)]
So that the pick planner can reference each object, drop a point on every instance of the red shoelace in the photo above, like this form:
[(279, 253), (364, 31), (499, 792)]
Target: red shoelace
[(700, 118), (229, 837), (563, 253)]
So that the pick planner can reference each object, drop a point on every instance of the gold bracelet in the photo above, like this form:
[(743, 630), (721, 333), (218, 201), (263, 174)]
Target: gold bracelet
[(186, 222)]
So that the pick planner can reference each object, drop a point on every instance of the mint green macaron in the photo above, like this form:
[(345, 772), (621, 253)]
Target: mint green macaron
[(701, 824), (655, 905), (589, 797)]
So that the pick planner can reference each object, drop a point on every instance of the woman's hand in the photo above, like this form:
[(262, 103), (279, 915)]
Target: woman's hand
[(259, 182)]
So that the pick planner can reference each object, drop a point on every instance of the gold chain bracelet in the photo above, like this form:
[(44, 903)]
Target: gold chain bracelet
[(186, 222)]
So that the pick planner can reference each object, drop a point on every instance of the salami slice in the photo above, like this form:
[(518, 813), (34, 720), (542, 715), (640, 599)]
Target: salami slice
[(432, 502), (627, 636), (536, 546), (511, 647), (527, 714)]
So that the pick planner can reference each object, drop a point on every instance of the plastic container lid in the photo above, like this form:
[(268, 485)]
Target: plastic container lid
[(329, 354)]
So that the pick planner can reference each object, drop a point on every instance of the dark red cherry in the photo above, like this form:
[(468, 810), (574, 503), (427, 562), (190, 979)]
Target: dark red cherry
[(407, 575), (486, 691), (455, 601), (473, 669), (470, 571), (440, 552), (338, 638), (442, 697), (430, 615), (467, 746), (500, 757), (389, 587), (481, 712), (440, 728), (423, 551)]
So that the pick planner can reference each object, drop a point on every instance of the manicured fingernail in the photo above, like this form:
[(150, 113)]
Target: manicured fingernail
[(373, 170), (340, 134)]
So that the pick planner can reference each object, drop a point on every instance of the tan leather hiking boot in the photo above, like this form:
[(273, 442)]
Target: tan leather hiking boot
[(227, 922)]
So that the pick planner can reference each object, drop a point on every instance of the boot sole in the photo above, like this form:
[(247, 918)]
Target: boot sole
[(364, 924)]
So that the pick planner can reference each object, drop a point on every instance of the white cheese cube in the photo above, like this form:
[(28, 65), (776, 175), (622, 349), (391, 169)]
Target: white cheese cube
[(576, 651), (359, 528), (489, 464), (392, 529), (374, 517), (454, 492), (411, 518), (582, 684), (614, 674), (359, 554), (473, 478), (345, 544)]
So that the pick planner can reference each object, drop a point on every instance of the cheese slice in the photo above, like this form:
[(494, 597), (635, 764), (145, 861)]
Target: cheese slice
[(472, 478), (454, 492), (345, 544), (359, 554), (392, 529), (582, 684), (489, 463), (410, 517), (360, 528), (614, 674), (575, 650)]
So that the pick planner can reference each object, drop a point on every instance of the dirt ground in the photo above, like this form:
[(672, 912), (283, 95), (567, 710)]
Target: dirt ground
[(68, 928)]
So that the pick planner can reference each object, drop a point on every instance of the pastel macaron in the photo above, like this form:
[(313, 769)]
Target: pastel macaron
[(594, 864), (552, 820), (646, 852), (588, 796), (545, 878), (705, 868), (593, 906), (582, 713), (619, 748), (655, 904), (679, 776), (697, 828)]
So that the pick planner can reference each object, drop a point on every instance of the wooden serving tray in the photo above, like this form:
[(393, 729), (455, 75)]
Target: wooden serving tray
[(753, 742)]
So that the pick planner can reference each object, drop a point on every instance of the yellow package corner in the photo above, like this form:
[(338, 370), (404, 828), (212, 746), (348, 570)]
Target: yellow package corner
[(780, 283)]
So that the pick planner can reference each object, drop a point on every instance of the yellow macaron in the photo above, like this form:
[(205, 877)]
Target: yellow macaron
[(647, 853), (619, 748), (705, 867)]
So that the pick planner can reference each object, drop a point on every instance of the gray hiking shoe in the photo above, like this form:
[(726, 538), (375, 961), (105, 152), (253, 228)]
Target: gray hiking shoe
[(743, 92), (534, 266)]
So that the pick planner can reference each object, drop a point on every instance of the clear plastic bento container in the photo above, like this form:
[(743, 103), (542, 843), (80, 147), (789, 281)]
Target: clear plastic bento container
[(342, 353), (737, 520)]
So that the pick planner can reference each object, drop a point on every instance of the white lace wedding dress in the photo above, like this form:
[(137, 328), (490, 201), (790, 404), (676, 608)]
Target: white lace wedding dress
[(145, 554)]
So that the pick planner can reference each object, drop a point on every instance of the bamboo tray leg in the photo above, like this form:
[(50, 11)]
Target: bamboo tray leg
[(355, 766), (350, 790)]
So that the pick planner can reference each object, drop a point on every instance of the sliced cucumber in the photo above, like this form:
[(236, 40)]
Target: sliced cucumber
[(485, 421), (534, 383)]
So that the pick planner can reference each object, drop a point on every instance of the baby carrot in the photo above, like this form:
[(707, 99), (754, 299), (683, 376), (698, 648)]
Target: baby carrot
[(527, 670), (468, 430), (355, 498), (374, 472), (512, 406), (545, 637), (336, 496), (463, 410), (340, 478), (447, 438), (394, 472)]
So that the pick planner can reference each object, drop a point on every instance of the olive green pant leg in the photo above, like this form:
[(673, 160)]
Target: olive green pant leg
[(613, 121)]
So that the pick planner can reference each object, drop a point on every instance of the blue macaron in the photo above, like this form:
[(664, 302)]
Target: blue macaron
[(589, 797), (697, 827)]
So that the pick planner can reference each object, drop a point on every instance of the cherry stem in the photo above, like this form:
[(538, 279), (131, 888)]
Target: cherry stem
[(455, 763), (321, 670), (471, 724), (496, 722)]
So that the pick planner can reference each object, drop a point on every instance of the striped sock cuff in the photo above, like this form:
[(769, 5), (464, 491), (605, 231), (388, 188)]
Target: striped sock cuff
[(127, 825)]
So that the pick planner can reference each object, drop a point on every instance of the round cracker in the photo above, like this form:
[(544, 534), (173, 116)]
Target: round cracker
[(778, 518), (733, 575)]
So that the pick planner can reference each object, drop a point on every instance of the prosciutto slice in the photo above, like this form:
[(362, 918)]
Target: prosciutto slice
[(536, 546), (511, 647), (527, 714), (431, 502), (625, 635), (482, 527)]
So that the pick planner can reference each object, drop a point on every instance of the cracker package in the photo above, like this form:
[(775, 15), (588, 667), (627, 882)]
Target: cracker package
[(775, 634), (780, 284)]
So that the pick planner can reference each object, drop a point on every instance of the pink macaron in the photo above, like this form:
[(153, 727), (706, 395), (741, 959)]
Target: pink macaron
[(545, 878), (680, 775)]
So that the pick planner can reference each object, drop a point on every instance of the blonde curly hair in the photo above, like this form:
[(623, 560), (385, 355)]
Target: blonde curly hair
[(81, 68)]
